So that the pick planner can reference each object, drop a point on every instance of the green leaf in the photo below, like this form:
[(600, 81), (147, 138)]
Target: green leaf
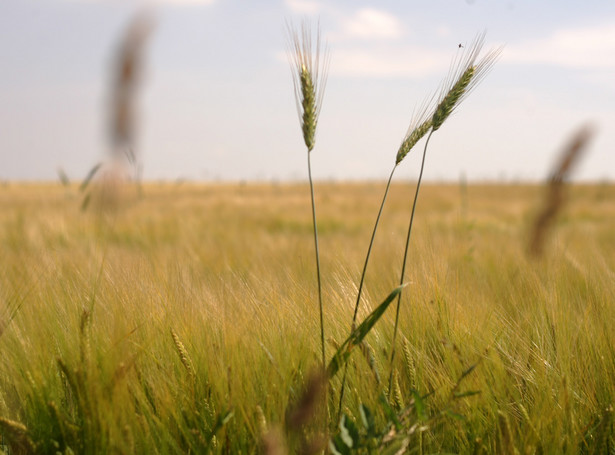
[(389, 412), (221, 420), (349, 432), (89, 177), (338, 446), (469, 393), (86, 202), (357, 335), (455, 415), (367, 418), (419, 405), (467, 372)]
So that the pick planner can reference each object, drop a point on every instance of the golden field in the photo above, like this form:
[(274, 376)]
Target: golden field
[(186, 319)]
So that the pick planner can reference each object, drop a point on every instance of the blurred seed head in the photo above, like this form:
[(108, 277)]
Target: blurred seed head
[(555, 194), (126, 77), (305, 409), (273, 442), (108, 177)]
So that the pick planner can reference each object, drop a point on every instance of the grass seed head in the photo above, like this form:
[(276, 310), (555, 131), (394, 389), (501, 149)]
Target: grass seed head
[(183, 354), (309, 69), (17, 436)]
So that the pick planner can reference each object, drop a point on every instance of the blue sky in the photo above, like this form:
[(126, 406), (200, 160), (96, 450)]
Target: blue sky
[(217, 101)]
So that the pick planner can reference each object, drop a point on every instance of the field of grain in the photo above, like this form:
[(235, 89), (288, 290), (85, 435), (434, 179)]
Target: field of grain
[(187, 321)]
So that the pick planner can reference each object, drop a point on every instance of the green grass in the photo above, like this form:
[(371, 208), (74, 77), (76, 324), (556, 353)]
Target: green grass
[(89, 302)]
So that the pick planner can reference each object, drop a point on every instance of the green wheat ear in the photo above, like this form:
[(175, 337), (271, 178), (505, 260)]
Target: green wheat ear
[(452, 98), (415, 135), (464, 75), (419, 126), (308, 103), (309, 69)]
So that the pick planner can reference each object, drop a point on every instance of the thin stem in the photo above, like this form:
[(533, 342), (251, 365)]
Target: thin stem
[(322, 324), (369, 249), (403, 267), (356, 307)]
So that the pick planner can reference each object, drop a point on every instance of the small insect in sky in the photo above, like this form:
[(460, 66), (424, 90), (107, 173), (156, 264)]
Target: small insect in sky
[(460, 46)]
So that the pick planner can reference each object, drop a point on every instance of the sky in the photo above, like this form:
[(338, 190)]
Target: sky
[(216, 100)]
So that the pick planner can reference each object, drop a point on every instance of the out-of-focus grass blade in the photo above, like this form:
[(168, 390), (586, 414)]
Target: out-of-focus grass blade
[(86, 202), (419, 405), (467, 372), (349, 431), (367, 418), (389, 412), (221, 420), (455, 415), (89, 177), (63, 177), (466, 394), (357, 335), (337, 446)]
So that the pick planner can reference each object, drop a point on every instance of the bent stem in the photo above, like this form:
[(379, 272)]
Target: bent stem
[(356, 307), (403, 267), (314, 224)]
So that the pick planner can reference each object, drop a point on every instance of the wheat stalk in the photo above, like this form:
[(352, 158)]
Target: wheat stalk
[(419, 126), (309, 70), (464, 74)]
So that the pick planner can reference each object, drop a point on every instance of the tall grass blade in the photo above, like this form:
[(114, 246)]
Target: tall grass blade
[(90, 176), (358, 334), (405, 260)]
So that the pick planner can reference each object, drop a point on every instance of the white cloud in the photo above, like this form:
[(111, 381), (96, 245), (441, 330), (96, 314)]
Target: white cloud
[(591, 47), (308, 7), (367, 43), (368, 23)]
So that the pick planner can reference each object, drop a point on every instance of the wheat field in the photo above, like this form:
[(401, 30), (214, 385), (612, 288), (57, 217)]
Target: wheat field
[(187, 320)]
